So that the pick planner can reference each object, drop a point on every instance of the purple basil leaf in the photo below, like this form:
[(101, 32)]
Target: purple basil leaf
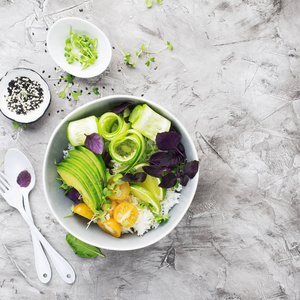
[(168, 181), (74, 195), (184, 180), (24, 179), (178, 172), (94, 143), (180, 147), (167, 140), (118, 109), (155, 171), (156, 158), (137, 177), (190, 169), (107, 159), (171, 158)]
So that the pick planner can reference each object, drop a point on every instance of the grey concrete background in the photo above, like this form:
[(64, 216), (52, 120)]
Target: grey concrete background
[(233, 81)]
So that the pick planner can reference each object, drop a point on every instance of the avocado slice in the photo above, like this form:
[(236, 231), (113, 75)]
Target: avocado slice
[(91, 176), (72, 178), (89, 161), (98, 161)]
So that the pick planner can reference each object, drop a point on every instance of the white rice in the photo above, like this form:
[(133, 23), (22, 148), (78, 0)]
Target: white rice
[(145, 221), (66, 152)]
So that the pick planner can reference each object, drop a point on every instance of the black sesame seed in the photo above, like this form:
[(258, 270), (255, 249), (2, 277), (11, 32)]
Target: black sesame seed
[(49, 76), (43, 71), (113, 47), (58, 111), (81, 9), (86, 88), (104, 87), (24, 95), (119, 70), (49, 114), (47, 29), (32, 33)]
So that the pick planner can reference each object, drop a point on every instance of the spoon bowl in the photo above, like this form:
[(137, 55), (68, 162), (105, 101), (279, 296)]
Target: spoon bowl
[(16, 162)]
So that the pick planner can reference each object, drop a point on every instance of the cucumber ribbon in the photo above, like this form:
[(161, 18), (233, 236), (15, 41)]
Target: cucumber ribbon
[(127, 148), (111, 125)]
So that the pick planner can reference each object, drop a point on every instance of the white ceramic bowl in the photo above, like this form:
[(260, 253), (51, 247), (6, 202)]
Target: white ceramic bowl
[(60, 204), (56, 39), (31, 116)]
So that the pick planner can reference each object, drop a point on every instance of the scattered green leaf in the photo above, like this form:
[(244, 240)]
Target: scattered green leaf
[(70, 78), (95, 91), (17, 125), (75, 94), (144, 50), (149, 3), (62, 94), (81, 248)]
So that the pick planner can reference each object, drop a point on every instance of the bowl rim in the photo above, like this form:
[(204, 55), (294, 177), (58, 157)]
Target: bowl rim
[(125, 98), (78, 73)]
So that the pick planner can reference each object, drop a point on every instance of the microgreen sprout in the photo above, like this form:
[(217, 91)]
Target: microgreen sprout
[(81, 48), (17, 125), (149, 3), (75, 94), (146, 51), (94, 90)]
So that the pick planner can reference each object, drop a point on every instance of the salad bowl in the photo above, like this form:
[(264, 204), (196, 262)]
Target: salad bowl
[(60, 205)]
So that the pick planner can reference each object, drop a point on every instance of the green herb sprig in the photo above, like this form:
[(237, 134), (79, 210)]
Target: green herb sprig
[(149, 3), (75, 94), (17, 125), (146, 51)]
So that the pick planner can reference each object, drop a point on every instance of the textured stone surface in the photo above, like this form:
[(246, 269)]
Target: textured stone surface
[(233, 81)]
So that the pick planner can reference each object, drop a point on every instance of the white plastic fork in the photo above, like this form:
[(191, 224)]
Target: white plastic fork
[(14, 198)]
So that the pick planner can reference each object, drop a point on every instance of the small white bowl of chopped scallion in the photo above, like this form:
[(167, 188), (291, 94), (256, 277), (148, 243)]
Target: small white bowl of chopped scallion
[(79, 47)]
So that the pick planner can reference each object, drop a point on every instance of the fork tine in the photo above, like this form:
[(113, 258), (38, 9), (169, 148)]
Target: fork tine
[(4, 181)]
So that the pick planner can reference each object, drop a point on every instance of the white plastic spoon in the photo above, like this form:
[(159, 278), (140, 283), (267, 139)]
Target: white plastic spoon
[(15, 162)]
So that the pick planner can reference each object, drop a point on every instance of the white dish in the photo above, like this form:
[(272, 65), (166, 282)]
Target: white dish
[(60, 204), (31, 116), (56, 39)]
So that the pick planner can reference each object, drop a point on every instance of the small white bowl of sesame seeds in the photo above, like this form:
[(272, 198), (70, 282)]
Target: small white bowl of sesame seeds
[(24, 95), (79, 47)]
